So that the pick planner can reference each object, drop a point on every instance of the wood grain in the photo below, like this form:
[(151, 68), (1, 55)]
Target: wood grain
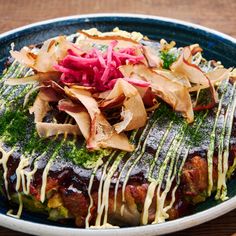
[(216, 14)]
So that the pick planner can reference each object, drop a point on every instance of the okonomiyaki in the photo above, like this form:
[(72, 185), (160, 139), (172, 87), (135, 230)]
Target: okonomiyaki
[(112, 129)]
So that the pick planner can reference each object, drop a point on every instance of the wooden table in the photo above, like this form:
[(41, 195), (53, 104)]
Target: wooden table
[(217, 14)]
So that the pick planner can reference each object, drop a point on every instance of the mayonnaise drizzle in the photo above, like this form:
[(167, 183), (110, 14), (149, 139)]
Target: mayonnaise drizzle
[(212, 143), (17, 72), (177, 183), (160, 215), (158, 152), (100, 202), (104, 172), (105, 193), (29, 175), (47, 169), (44, 180), (99, 163), (10, 91), (153, 183), (104, 187), (166, 208), (121, 172), (23, 175), (7, 74), (3, 162), (224, 154), (20, 177), (136, 161), (161, 210)]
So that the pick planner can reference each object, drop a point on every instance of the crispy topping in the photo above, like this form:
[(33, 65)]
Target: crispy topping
[(171, 92), (107, 82), (50, 129)]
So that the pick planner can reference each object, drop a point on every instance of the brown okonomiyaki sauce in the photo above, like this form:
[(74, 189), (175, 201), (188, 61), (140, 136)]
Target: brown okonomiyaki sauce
[(64, 175)]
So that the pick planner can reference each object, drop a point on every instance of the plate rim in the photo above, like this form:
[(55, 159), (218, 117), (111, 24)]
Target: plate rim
[(122, 15), (152, 229)]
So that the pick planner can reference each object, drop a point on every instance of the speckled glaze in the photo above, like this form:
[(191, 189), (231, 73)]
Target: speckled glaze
[(216, 45)]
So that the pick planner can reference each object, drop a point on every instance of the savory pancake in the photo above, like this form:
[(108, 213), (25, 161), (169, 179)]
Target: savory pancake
[(112, 129)]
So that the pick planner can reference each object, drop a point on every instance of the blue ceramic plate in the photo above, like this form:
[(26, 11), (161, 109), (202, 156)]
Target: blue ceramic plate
[(216, 46)]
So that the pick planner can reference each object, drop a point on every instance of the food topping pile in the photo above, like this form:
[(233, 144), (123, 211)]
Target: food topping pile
[(109, 83)]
